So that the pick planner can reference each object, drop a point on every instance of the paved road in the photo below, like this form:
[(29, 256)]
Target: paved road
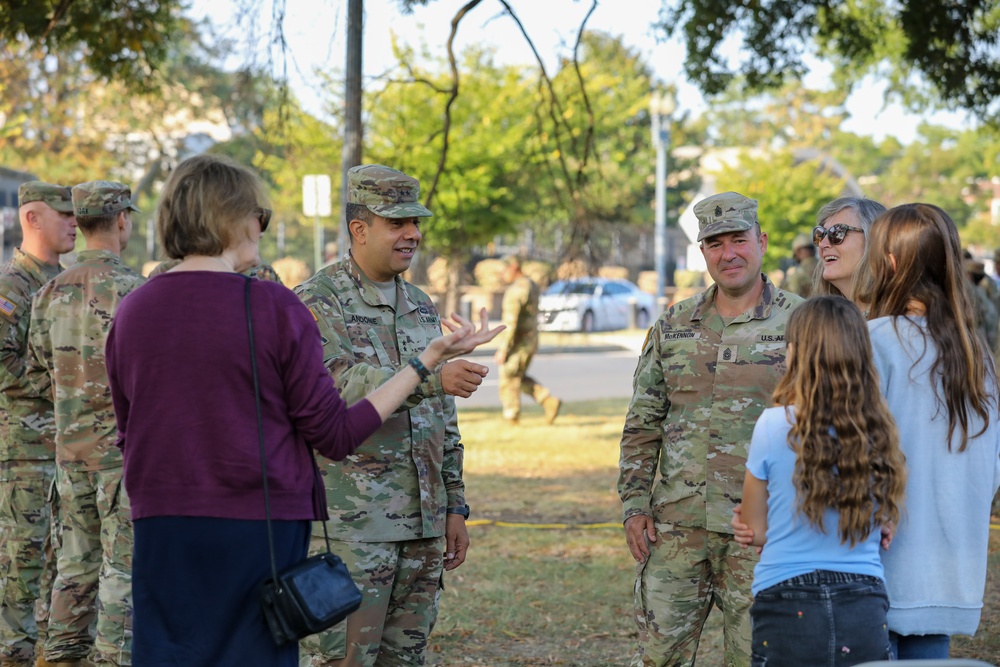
[(572, 376)]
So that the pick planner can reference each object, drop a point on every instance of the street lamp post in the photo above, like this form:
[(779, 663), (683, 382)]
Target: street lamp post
[(661, 106)]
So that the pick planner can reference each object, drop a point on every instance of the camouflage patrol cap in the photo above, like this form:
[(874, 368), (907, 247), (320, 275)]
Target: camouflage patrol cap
[(56, 196), (801, 241), (725, 212), (385, 191), (102, 198)]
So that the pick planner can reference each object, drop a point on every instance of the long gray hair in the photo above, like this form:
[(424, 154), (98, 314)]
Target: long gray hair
[(865, 210)]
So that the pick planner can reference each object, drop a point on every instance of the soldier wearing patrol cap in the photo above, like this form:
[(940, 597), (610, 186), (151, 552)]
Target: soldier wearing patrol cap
[(397, 505), (706, 372), (799, 278), (27, 435), (70, 319)]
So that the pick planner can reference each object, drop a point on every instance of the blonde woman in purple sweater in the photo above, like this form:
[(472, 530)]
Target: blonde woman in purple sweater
[(179, 362)]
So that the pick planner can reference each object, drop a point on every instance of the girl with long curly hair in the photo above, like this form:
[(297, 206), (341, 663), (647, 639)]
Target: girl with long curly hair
[(938, 377), (824, 475)]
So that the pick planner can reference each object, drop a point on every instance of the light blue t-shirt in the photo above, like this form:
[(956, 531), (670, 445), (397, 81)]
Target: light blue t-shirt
[(794, 546)]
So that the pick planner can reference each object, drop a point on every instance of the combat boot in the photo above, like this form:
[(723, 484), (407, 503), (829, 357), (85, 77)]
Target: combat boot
[(551, 406)]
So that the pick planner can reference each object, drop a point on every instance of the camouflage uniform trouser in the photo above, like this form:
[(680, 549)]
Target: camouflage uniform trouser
[(400, 584), (688, 570), (93, 569), (26, 563), (514, 380)]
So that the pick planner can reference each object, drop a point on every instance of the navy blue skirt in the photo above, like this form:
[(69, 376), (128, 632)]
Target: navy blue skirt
[(196, 591)]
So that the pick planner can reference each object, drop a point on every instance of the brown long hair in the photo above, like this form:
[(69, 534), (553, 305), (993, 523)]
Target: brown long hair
[(847, 455), (924, 242)]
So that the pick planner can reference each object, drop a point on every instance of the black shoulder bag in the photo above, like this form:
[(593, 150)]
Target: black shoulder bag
[(317, 593)]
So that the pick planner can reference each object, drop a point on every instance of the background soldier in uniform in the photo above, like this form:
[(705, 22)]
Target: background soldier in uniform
[(706, 372), (799, 278), (27, 448), (70, 319), (397, 505), (518, 345)]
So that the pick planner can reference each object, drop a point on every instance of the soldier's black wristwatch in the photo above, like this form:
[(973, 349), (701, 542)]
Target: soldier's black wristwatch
[(463, 510)]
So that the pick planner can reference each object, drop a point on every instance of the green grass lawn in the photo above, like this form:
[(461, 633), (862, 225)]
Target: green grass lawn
[(549, 578), (552, 583)]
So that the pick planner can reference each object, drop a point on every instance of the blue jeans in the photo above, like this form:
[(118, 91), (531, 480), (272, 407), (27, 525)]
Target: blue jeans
[(822, 618), (920, 647)]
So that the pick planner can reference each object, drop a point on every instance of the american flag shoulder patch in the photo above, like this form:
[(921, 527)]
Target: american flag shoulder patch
[(7, 307)]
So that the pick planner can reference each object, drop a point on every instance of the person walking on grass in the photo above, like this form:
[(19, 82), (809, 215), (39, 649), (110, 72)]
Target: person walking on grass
[(518, 345), (824, 475)]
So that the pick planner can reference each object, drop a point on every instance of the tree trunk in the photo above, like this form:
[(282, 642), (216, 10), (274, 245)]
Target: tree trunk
[(351, 152)]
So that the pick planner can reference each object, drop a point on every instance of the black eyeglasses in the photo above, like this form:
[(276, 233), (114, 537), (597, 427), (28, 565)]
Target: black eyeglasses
[(836, 233), (263, 217)]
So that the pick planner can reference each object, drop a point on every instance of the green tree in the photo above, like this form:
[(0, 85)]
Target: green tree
[(482, 190), (123, 40), (931, 50)]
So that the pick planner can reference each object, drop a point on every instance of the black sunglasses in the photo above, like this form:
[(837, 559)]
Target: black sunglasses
[(263, 217), (836, 233)]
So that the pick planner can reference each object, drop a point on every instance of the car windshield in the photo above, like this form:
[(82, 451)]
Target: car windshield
[(571, 288)]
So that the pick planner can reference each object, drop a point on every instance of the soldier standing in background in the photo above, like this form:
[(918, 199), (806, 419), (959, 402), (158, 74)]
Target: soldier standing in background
[(397, 504), (27, 447), (70, 319), (706, 373), (982, 295), (518, 345), (799, 278)]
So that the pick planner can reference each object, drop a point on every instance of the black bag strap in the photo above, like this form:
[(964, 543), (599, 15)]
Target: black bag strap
[(260, 439)]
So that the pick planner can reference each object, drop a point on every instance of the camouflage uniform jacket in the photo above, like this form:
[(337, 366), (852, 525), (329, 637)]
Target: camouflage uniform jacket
[(699, 388), (400, 482), (799, 278), (70, 319), (520, 315), (26, 424)]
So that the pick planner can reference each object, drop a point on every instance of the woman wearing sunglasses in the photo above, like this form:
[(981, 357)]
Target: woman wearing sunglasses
[(840, 237)]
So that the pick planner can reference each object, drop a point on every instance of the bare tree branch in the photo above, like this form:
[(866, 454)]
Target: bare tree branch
[(452, 95), (555, 109), (589, 139), (56, 17)]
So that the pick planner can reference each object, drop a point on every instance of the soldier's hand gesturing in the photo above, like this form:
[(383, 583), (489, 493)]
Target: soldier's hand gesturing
[(462, 378), (639, 532)]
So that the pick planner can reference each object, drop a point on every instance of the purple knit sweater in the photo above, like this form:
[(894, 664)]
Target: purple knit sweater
[(178, 358)]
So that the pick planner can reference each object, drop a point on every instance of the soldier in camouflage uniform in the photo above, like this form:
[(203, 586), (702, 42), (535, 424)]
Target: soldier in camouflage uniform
[(979, 286), (397, 504), (261, 271), (706, 372), (799, 278), (70, 319), (27, 448), (518, 345)]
